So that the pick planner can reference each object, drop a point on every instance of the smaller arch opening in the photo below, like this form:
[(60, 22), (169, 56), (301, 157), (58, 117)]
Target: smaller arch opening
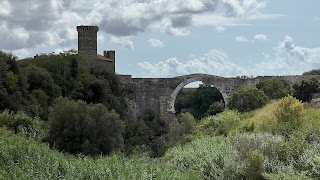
[(199, 99)]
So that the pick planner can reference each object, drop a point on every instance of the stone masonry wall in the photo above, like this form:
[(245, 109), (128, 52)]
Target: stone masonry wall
[(159, 94)]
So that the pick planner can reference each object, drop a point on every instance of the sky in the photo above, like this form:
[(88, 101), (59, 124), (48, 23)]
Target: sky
[(169, 38)]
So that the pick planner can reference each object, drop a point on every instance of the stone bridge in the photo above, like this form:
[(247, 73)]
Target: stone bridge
[(159, 94)]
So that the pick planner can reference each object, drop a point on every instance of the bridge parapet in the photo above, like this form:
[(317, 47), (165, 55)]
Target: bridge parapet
[(159, 94)]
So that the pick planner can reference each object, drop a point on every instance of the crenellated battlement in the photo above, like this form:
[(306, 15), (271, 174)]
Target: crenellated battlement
[(87, 28)]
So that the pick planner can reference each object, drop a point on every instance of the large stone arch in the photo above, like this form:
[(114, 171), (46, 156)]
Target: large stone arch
[(160, 94), (190, 79)]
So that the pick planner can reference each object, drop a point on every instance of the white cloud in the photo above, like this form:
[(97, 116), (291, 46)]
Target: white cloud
[(214, 62), (21, 52), (5, 8), (34, 23), (241, 39), (242, 8), (261, 37), (53, 22), (124, 41), (287, 59), (123, 18), (220, 28), (309, 55), (156, 43)]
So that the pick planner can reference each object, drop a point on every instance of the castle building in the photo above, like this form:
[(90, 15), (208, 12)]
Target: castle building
[(87, 47)]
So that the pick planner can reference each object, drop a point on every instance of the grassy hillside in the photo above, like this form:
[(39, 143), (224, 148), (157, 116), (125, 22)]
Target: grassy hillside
[(263, 144)]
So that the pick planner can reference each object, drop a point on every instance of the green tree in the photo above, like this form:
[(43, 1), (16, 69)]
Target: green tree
[(13, 84), (157, 129), (305, 90), (248, 99), (198, 102), (274, 88), (77, 127)]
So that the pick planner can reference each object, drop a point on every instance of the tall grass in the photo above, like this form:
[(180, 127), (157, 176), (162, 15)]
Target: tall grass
[(22, 158), (214, 157)]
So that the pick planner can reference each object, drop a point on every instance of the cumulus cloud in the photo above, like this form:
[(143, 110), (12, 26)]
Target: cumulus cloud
[(242, 8), (156, 43), (261, 37), (34, 23), (123, 18), (124, 41), (214, 62), (287, 59), (309, 55), (241, 39)]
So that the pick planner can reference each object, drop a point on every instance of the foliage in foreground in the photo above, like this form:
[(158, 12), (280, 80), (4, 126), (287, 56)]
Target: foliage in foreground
[(22, 124), (28, 159), (214, 157)]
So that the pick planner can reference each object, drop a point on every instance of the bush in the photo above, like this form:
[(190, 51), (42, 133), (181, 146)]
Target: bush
[(271, 146), (214, 157), (261, 120), (181, 129), (77, 127), (274, 88), (248, 99), (289, 114), (221, 124), (309, 161), (22, 124), (273, 149), (305, 90), (254, 166), (215, 108)]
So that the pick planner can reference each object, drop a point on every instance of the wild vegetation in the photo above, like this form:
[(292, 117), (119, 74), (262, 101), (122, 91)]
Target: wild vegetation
[(60, 120)]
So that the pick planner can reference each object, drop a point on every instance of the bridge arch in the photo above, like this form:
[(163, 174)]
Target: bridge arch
[(205, 79)]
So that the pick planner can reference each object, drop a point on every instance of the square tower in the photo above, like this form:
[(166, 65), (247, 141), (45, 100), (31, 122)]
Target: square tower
[(87, 42)]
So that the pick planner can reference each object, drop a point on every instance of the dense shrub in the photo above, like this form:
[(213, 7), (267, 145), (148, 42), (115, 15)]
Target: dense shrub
[(214, 157), (248, 99), (254, 166), (137, 136), (289, 114), (305, 90), (271, 146), (215, 108), (309, 161), (21, 123), (274, 88), (181, 129), (220, 124), (260, 120), (77, 127)]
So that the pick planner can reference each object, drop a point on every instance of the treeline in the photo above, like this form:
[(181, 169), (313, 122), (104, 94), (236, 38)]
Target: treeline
[(82, 109)]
